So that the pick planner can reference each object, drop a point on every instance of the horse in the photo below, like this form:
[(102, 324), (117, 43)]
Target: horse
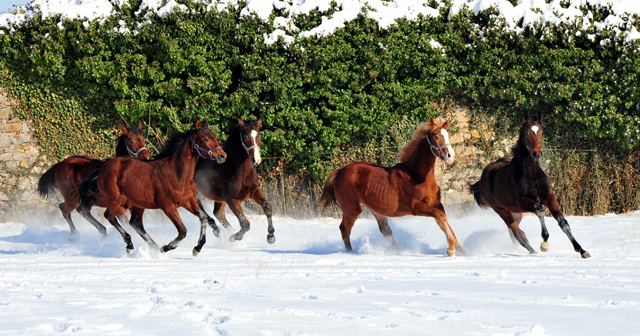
[(165, 182), (236, 180), (517, 185), (408, 188), (67, 174)]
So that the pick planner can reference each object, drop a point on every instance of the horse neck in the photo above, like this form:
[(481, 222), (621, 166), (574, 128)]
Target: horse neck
[(121, 148), (237, 157), (525, 161), (422, 161), (184, 160)]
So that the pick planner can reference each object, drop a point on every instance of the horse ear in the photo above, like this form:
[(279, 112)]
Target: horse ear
[(432, 123), (205, 123), (140, 125), (124, 129), (526, 117), (539, 118), (198, 124), (446, 124), (240, 122), (259, 122)]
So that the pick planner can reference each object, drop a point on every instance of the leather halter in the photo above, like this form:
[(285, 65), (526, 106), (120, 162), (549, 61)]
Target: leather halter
[(437, 148), (200, 150), (132, 153), (248, 148)]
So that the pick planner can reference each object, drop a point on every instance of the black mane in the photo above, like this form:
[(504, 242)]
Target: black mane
[(172, 144)]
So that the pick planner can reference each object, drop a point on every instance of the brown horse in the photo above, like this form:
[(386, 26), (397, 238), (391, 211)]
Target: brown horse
[(165, 182), (408, 188), (513, 186), (236, 180), (67, 174)]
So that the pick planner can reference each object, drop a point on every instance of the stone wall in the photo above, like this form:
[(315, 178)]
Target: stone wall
[(20, 161)]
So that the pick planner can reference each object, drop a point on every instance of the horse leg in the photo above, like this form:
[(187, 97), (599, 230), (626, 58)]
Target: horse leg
[(210, 220), (236, 208), (539, 211), (259, 198), (385, 229), (513, 226), (172, 212), (423, 209), (554, 207), (195, 207), (67, 216), (218, 211), (110, 215), (136, 224), (86, 214), (517, 217)]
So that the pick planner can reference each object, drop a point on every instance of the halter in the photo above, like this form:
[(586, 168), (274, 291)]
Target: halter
[(437, 148), (200, 150), (248, 148), (132, 153)]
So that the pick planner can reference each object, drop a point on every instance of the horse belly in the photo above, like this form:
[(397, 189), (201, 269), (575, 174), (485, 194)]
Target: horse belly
[(381, 198)]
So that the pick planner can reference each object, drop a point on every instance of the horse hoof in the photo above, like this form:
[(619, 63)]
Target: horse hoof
[(165, 249), (232, 239), (544, 247), (74, 236), (130, 251), (195, 252), (586, 255), (451, 253), (271, 239)]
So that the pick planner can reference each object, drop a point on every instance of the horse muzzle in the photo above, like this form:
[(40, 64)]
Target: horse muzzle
[(220, 156)]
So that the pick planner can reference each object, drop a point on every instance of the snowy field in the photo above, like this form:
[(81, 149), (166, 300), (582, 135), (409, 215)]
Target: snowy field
[(306, 284)]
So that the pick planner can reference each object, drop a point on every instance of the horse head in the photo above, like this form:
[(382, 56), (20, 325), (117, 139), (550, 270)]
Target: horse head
[(438, 139), (134, 141), (250, 139), (206, 143), (531, 135)]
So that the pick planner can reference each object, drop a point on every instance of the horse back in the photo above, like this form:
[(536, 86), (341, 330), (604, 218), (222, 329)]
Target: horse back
[(72, 170)]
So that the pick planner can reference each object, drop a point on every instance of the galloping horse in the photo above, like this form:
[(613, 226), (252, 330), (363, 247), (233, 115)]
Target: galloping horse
[(408, 188), (67, 174), (513, 186), (165, 182), (236, 180)]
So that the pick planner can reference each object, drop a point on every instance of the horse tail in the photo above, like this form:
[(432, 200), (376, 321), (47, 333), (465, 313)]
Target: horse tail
[(328, 196), (88, 190), (475, 190), (47, 182)]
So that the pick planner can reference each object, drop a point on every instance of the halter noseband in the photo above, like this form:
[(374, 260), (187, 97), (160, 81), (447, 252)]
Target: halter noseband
[(437, 148), (200, 150), (248, 148), (132, 153)]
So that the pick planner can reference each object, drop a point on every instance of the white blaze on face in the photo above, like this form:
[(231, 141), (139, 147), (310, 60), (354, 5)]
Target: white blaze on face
[(256, 149), (450, 153), (535, 129)]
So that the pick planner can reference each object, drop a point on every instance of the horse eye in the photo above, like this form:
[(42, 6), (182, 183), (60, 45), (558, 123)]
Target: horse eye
[(206, 139), (437, 138)]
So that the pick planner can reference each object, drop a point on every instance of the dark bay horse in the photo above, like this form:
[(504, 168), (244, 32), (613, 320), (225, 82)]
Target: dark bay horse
[(236, 180), (165, 182), (514, 186), (408, 188), (67, 174)]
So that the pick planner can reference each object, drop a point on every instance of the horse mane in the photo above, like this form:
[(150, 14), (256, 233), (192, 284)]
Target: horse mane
[(420, 133), (174, 143)]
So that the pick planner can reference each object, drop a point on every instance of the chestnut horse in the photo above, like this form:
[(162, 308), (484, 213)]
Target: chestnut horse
[(165, 182), (513, 186), (67, 174), (236, 180), (408, 188)]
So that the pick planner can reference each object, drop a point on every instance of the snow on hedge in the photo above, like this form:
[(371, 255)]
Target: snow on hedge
[(527, 12)]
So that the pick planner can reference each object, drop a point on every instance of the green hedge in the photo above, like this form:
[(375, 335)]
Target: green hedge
[(358, 86)]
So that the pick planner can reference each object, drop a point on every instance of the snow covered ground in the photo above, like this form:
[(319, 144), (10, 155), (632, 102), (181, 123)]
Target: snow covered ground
[(306, 284)]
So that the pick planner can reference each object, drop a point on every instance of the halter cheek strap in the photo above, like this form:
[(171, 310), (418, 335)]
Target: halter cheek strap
[(132, 153), (200, 150), (247, 148), (437, 148)]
